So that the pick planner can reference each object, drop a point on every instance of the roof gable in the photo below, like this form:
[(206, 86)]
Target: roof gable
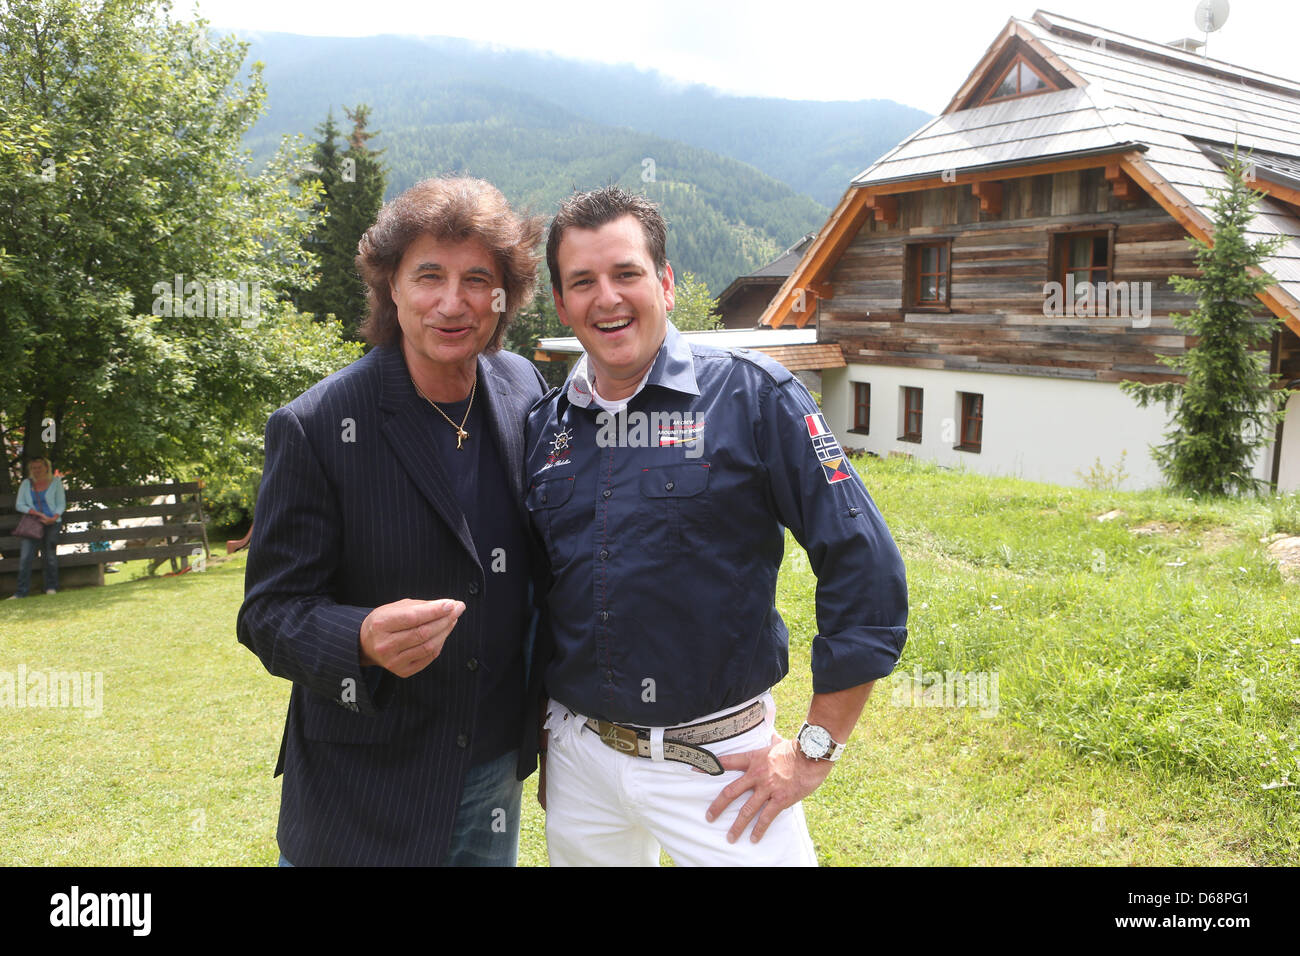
[(1151, 103), (982, 85)]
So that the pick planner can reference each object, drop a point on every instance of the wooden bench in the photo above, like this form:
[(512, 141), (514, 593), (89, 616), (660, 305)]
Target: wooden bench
[(182, 527)]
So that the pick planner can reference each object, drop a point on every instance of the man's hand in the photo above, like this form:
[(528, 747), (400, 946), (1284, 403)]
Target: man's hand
[(779, 777), (404, 637)]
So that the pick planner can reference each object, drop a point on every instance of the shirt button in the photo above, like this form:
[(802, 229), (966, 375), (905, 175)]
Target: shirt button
[(604, 616), (609, 675), (668, 486), (543, 497), (472, 663), (604, 554), (853, 512), (462, 740), (606, 493), (473, 587)]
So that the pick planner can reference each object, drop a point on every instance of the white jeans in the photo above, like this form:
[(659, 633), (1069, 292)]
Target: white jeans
[(606, 808)]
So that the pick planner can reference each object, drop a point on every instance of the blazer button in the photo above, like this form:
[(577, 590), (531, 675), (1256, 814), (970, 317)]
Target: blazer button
[(462, 740), (473, 587), (472, 663)]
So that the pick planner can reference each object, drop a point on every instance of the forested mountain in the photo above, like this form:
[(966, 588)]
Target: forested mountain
[(539, 126)]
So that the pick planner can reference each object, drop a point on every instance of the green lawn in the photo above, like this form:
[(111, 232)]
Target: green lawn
[(1147, 710)]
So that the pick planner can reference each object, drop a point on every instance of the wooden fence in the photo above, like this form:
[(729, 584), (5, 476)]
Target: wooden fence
[(182, 528)]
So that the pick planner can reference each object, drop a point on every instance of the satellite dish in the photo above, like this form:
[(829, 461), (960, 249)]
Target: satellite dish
[(1211, 14)]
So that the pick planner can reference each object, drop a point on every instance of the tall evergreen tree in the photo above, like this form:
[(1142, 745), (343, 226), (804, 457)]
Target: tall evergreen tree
[(535, 321), (352, 190), (1226, 409)]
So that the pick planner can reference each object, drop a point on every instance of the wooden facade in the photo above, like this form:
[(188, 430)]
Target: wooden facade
[(948, 272), (997, 317)]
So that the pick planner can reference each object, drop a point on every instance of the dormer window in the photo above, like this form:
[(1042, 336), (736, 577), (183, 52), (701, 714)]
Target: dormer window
[(1020, 79)]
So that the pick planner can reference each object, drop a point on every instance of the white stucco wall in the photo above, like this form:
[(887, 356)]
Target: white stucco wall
[(1288, 475), (1035, 427)]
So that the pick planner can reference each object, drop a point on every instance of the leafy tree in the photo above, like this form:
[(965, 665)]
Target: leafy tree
[(1226, 409), (120, 188), (352, 183), (693, 306)]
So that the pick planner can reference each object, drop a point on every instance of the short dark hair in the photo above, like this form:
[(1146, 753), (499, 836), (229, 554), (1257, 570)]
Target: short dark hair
[(447, 208), (593, 209)]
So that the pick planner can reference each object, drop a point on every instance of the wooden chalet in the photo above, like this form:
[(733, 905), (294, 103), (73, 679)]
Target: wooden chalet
[(1072, 155), (742, 303)]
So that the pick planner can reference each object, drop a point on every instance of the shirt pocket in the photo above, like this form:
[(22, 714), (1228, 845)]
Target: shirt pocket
[(554, 516), (676, 509)]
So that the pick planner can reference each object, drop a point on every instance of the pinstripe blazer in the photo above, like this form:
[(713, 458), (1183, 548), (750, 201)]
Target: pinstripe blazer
[(356, 511)]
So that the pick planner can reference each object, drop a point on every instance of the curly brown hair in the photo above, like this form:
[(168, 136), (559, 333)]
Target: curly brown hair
[(447, 208)]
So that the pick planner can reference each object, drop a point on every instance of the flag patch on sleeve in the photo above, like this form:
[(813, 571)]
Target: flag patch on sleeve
[(828, 450)]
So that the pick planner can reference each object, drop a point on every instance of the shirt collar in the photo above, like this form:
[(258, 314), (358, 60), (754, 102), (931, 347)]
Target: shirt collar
[(674, 367)]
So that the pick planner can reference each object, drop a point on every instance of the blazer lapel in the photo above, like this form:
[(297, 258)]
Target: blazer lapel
[(405, 425), (506, 417)]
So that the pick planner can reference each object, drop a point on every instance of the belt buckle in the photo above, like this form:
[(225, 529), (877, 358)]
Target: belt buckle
[(623, 739)]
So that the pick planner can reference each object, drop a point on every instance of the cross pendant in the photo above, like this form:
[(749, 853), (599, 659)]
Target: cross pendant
[(461, 435)]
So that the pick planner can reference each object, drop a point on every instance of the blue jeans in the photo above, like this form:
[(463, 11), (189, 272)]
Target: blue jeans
[(486, 831), (27, 554)]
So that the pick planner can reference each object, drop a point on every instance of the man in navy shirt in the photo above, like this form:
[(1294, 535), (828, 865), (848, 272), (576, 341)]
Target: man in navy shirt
[(660, 479)]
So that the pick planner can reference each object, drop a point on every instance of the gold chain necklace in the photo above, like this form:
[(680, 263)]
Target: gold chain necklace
[(461, 434)]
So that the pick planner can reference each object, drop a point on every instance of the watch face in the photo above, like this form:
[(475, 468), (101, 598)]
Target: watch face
[(815, 741)]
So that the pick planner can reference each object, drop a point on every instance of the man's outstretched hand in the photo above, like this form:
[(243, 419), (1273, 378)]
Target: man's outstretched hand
[(778, 776), (406, 636)]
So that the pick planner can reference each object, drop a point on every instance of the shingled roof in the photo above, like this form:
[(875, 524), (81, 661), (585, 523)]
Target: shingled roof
[(1162, 104)]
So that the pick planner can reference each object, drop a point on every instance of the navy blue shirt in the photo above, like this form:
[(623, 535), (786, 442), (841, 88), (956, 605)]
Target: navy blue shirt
[(664, 526)]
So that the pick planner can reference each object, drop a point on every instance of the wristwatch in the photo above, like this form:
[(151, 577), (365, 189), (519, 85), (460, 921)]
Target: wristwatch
[(815, 743)]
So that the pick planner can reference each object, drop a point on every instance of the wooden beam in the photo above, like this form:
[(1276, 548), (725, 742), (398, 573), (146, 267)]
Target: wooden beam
[(860, 202), (989, 193), (1169, 198), (821, 290), (985, 63), (1276, 190), (1280, 302), (1012, 29), (1010, 172), (1121, 186), (885, 208), (832, 239)]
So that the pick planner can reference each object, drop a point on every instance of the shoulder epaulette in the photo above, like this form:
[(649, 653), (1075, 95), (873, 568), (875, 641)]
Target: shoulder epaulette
[(775, 370)]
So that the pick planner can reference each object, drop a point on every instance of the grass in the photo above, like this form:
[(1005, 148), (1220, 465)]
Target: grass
[(1148, 706)]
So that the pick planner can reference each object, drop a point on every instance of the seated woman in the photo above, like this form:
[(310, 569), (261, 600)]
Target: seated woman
[(40, 495)]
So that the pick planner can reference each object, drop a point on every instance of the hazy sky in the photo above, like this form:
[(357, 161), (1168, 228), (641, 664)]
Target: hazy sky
[(915, 52)]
